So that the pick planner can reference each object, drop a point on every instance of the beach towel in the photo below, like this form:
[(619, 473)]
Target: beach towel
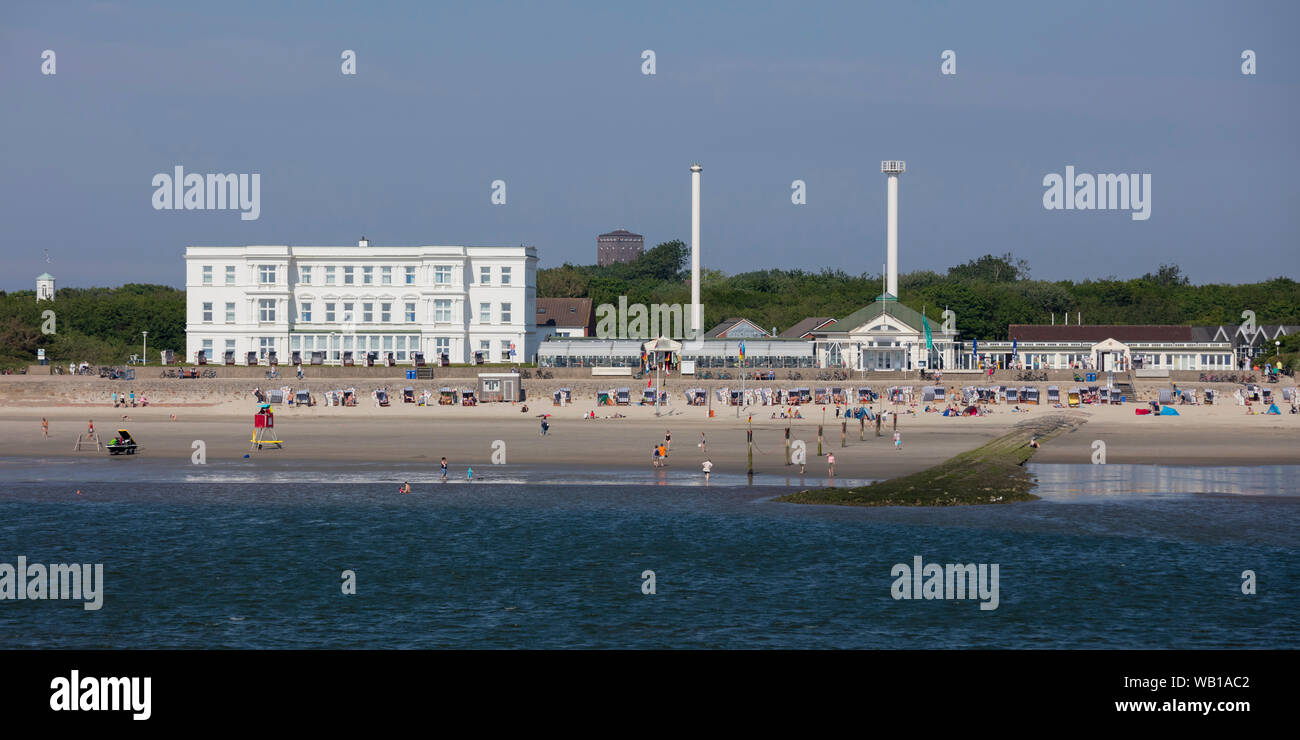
[(1142, 412), (1169, 411)]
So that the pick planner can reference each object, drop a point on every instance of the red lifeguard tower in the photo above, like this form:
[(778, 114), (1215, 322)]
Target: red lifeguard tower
[(264, 428)]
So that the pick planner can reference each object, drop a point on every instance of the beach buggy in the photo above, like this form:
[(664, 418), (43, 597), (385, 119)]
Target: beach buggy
[(122, 444)]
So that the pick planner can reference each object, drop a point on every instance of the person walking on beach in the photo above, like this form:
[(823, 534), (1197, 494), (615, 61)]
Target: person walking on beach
[(655, 457), (545, 427), (708, 468), (830, 462), (703, 445), (668, 442), (90, 427), (444, 470), (45, 428), (898, 441)]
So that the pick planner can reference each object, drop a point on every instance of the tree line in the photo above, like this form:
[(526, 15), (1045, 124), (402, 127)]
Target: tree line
[(98, 325), (103, 325), (987, 294)]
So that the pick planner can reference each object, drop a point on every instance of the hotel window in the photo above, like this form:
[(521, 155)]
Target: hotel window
[(385, 312), (401, 347), (304, 274), (230, 346), (385, 276), (348, 278), (485, 346), (485, 313), (266, 309), (367, 276), (266, 274), (207, 313), (505, 275), (230, 313), (230, 274), (329, 275), (347, 313), (505, 313), (442, 274), (306, 313), (442, 346), (442, 310), (265, 344), (410, 313), (410, 276), (505, 350), (484, 275), (207, 349), (329, 313), (367, 312), (207, 274)]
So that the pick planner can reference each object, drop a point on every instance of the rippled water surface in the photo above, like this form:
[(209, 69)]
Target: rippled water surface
[(251, 557)]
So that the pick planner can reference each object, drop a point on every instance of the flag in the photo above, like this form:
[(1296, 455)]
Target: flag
[(512, 349), (1013, 350), (929, 341), (742, 351), (975, 348)]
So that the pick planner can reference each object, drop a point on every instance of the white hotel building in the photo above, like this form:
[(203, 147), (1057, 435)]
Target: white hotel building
[(332, 304)]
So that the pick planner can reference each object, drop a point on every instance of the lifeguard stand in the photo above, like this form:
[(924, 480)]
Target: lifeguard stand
[(264, 428)]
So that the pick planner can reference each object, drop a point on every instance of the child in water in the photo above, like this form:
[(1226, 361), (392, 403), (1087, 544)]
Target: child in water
[(406, 488), (469, 473)]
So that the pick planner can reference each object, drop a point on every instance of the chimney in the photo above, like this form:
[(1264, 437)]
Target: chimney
[(364, 242)]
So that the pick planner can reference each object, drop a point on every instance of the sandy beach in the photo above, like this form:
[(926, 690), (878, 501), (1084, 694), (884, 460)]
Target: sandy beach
[(219, 413)]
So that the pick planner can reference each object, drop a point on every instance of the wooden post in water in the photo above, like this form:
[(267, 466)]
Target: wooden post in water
[(787, 444), (819, 440), (862, 427), (844, 430), (877, 425)]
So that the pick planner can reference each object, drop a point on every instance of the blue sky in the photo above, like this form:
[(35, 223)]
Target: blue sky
[(549, 97)]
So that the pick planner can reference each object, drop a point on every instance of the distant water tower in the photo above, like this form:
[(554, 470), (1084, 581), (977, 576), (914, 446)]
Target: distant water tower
[(45, 287), (892, 168)]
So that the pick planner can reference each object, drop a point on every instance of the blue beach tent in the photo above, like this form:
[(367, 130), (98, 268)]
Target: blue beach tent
[(1272, 409)]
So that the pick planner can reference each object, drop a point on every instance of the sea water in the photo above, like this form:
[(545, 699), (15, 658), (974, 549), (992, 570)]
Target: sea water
[(256, 555)]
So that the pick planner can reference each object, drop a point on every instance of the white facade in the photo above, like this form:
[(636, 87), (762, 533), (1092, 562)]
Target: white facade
[(432, 299), (44, 287)]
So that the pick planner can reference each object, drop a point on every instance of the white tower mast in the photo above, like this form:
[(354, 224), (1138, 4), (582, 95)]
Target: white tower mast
[(697, 313), (892, 168)]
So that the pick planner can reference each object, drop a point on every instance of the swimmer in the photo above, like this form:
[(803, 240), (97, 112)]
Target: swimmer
[(444, 469), (469, 473), (406, 488)]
